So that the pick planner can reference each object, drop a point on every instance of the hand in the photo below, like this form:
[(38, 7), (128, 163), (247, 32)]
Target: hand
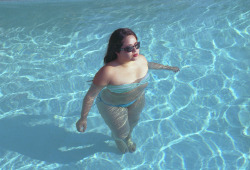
[(81, 125), (175, 69)]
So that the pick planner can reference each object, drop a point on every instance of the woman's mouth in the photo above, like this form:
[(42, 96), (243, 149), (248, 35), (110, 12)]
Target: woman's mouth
[(135, 55)]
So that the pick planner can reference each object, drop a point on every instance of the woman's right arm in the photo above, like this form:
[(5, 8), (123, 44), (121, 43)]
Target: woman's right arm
[(101, 79)]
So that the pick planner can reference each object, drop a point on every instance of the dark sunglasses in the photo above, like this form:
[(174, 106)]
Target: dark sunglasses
[(130, 48)]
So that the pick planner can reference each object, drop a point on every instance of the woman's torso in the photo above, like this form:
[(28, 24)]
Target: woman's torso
[(130, 83)]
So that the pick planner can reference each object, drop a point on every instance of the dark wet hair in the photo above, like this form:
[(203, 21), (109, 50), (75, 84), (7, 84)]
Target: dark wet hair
[(115, 43)]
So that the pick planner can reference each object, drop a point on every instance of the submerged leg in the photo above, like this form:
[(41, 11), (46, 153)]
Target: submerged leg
[(134, 112), (117, 120)]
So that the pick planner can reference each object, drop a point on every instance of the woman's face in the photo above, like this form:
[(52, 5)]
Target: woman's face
[(128, 50)]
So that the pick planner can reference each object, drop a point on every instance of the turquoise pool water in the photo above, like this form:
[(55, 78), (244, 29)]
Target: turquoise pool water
[(196, 119)]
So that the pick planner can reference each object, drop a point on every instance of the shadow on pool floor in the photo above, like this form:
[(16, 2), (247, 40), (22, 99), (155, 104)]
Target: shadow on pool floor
[(48, 142)]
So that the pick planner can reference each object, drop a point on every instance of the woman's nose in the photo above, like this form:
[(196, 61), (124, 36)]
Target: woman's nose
[(134, 49)]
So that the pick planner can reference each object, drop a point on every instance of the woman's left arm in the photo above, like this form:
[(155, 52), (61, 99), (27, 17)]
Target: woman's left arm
[(152, 65)]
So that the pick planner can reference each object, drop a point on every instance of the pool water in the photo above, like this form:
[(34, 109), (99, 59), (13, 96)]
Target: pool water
[(197, 118)]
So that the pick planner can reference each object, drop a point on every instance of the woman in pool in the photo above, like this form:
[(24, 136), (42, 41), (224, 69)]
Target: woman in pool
[(119, 87)]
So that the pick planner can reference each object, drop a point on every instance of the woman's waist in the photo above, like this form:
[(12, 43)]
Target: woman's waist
[(120, 98)]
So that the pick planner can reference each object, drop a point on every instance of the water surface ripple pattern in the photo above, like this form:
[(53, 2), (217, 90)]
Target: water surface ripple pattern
[(196, 119)]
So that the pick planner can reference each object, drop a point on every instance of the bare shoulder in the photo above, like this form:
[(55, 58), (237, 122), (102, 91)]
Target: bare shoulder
[(143, 59), (103, 76)]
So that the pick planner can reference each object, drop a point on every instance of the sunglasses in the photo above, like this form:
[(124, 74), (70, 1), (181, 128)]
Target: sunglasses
[(131, 48)]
